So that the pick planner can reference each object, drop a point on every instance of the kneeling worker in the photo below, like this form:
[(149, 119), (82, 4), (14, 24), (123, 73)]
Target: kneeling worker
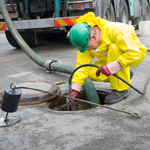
[(116, 47)]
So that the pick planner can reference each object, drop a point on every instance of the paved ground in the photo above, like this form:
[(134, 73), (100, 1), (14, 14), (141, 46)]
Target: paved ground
[(94, 129)]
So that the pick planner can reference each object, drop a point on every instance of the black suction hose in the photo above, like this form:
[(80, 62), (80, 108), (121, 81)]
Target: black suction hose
[(145, 87)]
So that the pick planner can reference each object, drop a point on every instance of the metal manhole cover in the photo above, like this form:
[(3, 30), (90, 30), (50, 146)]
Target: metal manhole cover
[(31, 97)]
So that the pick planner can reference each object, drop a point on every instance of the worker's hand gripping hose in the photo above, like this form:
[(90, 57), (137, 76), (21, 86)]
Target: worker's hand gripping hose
[(136, 115), (69, 103)]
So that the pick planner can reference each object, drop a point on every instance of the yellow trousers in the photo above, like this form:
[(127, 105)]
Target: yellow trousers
[(115, 83)]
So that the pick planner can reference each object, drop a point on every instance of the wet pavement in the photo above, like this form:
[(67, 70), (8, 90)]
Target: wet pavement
[(94, 129)]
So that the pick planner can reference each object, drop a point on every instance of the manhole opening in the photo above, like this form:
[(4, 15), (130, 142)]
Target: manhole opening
[(59, 103)]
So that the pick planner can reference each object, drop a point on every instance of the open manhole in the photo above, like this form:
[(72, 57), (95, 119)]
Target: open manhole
[(31, 97), (59, 103)]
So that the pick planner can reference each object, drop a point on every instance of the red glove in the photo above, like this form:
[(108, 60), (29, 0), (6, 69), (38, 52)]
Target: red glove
[(104, 70), (74, 95)]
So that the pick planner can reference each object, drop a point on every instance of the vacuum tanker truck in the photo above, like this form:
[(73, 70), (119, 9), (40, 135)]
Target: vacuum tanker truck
[(41, 20)]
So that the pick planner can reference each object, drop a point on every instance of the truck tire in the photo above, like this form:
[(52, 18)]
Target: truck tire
[(28, 37), (146, 15), (11, 40), (123, 12), (107, 11)]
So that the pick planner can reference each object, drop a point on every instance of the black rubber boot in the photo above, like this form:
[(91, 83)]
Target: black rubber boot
[(131, 74), (116, 96)]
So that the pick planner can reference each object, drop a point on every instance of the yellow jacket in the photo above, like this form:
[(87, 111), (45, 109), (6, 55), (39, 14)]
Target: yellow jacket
[(122, 35)]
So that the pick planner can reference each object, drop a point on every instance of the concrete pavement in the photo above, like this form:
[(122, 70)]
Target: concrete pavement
[(94, 129)]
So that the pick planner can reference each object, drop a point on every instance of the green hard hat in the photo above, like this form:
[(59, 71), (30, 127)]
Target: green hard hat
[(79, 36)]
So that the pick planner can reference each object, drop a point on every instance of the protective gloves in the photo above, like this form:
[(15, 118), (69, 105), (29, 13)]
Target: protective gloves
[(104, 70), (110, 68), (74, 95), (76, 88)]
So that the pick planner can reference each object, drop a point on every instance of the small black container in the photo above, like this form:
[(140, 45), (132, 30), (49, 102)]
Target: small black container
[(11, 99)]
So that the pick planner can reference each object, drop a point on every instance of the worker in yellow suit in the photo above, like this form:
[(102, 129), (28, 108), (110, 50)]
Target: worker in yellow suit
[(116, 47)]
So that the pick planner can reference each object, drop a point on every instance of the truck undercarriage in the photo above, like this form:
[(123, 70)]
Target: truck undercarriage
[(41, 20)]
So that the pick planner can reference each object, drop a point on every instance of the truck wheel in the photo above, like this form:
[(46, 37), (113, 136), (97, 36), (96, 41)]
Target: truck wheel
[(107, 11), (123, 12), (11, 40), (28, 37), (147, 11)]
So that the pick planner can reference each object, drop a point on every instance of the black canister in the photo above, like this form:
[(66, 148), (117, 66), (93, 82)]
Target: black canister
[(11, 99)]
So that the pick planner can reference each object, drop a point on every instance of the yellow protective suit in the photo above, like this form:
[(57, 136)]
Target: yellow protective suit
[(118, 42)]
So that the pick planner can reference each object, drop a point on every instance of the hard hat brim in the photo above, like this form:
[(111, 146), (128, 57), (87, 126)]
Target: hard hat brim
[(83, 49)]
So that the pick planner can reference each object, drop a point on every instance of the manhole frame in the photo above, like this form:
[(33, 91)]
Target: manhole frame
[(77, 111)]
